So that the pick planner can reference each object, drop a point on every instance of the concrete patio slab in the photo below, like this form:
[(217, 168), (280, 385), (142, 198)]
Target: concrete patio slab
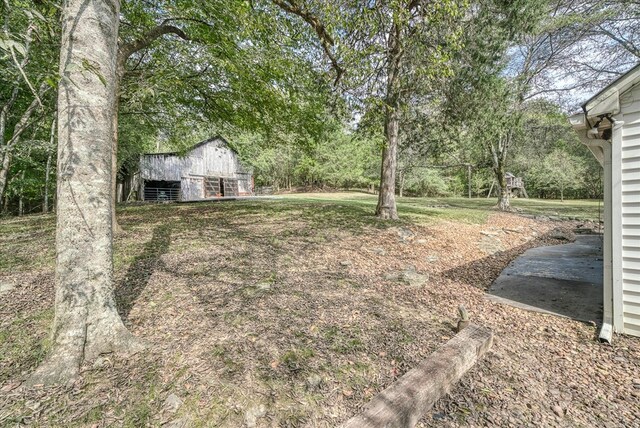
[(564, 280)]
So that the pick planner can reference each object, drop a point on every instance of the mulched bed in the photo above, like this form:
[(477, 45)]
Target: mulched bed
[(266, 316)]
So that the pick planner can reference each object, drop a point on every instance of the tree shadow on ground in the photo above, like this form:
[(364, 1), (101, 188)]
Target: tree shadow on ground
[(141, 269)]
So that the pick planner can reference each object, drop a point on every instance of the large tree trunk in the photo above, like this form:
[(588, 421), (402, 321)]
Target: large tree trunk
[(86, 321), (386, 208), (504, 203)]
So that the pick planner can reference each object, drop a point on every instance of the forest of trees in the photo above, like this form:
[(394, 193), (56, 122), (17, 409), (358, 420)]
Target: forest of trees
[(545, 153), (310, 97), (406, 96)]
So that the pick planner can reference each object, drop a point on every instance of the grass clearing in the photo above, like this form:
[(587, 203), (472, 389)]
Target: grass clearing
[(283, 303), (474, 210)]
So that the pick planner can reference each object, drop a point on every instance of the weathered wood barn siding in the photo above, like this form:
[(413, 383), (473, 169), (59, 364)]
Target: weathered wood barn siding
[(210, 169)]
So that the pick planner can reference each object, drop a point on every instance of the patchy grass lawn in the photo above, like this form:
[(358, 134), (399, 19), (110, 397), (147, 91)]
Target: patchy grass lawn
[(464, 209), (295, 311)]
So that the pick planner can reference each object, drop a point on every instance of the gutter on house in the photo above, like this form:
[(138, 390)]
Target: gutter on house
[(601, 148)]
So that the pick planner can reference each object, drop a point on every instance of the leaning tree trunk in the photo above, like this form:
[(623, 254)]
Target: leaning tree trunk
[(386, 208), (23, 123), (4, 169), (499, 155), (86, 321)]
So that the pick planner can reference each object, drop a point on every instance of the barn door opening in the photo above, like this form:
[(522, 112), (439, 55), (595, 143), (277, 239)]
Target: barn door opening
[(213, 187), (161, 191), (218, 187), (231, 187)]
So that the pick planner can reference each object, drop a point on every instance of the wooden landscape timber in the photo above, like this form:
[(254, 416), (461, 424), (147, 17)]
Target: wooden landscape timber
[(404, 402)]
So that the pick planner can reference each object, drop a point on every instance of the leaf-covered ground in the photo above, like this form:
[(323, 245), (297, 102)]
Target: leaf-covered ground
[(295, 312)]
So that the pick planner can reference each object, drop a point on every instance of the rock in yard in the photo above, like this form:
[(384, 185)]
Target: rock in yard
[(263, 286), (5, 287), (172, 403), (345, 263), (314, 381), (405, 234), (559, 234), (256, 290), (490, 245), (411, 277), (101, 362), (509, 230), (557, 410), (254, 413)]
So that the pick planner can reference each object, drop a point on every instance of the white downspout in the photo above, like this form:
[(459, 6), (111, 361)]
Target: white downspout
[(606, 331), (616, 227)]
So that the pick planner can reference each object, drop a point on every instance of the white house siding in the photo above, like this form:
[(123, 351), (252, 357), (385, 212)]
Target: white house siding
[(629, 171)]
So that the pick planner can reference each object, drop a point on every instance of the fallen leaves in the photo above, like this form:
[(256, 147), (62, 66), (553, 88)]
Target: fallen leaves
[(298, 306)]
